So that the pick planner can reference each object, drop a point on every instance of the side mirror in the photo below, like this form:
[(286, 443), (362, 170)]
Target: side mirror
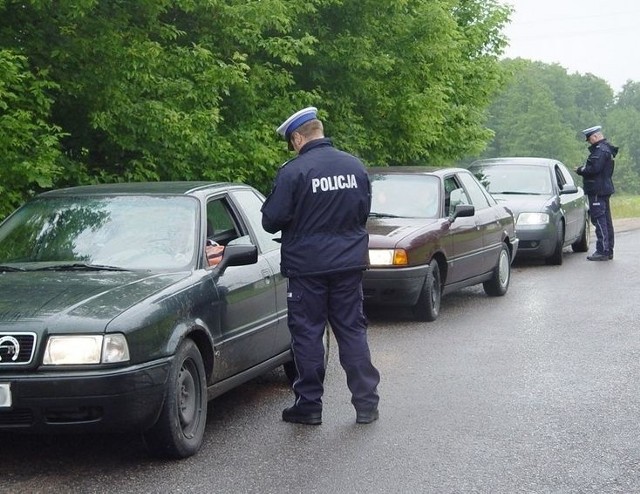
[(459, 205), (237, 255), (569, 189), (461, 211)]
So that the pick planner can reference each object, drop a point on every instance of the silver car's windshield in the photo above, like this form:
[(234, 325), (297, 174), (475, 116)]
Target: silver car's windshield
[(101, 232), (404, 196), (515, 179)]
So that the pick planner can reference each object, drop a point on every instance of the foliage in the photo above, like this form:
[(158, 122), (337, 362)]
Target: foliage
[(542, 108), (405, 82), (106, 90), (27, 140), (623, 127)]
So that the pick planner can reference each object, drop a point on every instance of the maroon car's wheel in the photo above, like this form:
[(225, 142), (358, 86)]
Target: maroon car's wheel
[(179, 431), (498, 284), (428, 306)]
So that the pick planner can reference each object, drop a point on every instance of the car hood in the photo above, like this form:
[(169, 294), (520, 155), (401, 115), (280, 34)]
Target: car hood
[(524, 203), (385, 232), (38, 298)]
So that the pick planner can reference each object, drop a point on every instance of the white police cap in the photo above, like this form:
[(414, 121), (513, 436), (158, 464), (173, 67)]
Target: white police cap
[(591, 130), (296, 120)]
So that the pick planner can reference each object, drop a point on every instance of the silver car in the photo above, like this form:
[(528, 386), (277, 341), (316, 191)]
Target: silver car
[(551, 211)]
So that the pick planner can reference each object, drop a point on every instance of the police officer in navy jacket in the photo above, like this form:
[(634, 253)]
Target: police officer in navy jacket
[(320, 202), (597, 179)]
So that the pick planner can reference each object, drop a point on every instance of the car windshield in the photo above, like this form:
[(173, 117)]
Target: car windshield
[(404, 196), (101, 232), (515, 179)]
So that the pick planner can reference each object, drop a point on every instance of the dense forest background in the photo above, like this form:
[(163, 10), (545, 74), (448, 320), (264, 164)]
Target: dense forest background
[(111, 90)]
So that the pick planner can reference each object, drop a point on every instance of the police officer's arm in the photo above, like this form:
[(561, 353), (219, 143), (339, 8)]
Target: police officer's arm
[(277, 210), (594, 165)]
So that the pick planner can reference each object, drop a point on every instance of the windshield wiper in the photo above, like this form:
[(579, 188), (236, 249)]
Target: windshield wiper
[(80, 266), (373, 214), (10, 268)]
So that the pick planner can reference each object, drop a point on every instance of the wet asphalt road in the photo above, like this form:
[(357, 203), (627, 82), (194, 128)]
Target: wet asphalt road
[(533, 392)]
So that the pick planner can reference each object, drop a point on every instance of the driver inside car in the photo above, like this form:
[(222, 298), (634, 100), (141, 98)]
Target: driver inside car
[(214, 252)]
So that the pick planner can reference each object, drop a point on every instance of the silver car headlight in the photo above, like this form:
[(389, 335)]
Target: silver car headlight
[(86, 349), (527, 219)]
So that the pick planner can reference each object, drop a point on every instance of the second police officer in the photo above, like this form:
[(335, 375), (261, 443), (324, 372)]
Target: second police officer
[(597, 181), (320, 202)]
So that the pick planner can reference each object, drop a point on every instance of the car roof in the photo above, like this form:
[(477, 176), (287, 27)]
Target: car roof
[(516, 160), (438, 171), (143, 188)]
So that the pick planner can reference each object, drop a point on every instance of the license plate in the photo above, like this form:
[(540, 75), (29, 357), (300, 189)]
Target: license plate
[(5, 395)]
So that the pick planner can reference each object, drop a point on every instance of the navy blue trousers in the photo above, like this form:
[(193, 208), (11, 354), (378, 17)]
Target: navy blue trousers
[(600, 213), (337, 298)]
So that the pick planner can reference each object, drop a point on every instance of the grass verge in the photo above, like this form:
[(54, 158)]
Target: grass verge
[(625, 206)]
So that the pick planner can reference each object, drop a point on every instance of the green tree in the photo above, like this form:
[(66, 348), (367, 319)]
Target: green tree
[(160, 89), (28, 142), (622, 127), (405, 82), (542, 109), (193, 89)]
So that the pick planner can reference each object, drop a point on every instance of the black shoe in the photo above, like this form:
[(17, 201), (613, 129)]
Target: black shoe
[(366, 416), (296, 416), (596, 256), (611, 256)]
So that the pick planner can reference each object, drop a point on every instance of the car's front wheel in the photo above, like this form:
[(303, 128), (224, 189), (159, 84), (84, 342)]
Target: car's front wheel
[(582, 244), (179, 431), (499, 282), (556, 258), (428, 306)]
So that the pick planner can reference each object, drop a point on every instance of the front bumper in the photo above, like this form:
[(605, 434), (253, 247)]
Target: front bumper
[(398, 287), (536, 241), (86, 401)]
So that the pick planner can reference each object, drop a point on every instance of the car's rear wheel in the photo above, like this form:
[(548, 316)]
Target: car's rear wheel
[(290, 367), (499, 282), (179, 431), (582, 244), (556, 258), (428, 306)]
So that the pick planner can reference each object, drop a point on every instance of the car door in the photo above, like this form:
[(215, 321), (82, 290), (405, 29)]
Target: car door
[(466, 238), (269, 247), (487, 222), (572, 204), (246, 294)]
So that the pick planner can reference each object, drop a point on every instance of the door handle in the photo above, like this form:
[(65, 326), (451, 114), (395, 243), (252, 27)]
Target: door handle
[(266, 275)]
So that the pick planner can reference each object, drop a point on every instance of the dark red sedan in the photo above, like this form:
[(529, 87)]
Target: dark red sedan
[(432, 231)]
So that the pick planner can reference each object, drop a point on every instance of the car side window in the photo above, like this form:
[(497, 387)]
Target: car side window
[(563, 173), (478, 199), (251, 204), (559, 177), (451, 199), (221, 226)]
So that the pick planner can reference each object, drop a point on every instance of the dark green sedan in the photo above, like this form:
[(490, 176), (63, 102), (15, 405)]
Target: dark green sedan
[(113, 315)]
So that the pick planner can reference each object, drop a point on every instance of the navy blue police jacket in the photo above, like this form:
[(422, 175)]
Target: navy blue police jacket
[(320, 201), (597, 172)]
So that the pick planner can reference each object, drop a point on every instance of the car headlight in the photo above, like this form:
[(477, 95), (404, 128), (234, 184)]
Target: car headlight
[(532, 219), (388, 257), (86, 349)]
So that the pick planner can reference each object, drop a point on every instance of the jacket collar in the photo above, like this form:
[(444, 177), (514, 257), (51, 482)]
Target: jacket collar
[(324, 141)]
